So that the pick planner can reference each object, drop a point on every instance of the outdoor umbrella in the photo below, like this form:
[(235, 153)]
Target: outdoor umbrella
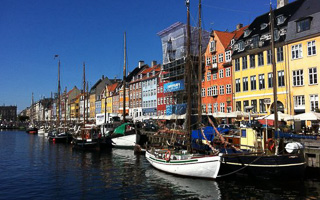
[(309, 116)]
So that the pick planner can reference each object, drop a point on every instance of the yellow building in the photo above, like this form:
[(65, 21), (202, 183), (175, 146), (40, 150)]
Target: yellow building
[(92, 100), (303, 41), (252, 61)]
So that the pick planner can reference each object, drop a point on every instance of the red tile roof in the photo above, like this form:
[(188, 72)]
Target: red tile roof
[(112, 87)]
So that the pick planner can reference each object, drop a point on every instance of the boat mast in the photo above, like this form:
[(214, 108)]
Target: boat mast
[(124, 79), (84, 94), (59, 89), (105, 109), (31, 115), (274, 70), (65, 109), (188, 76), (199, 68), (87, 101)]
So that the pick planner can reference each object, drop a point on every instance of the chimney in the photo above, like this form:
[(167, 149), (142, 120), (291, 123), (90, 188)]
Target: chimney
[(281, 3), (153, 63), (239, 26), (141, 63)]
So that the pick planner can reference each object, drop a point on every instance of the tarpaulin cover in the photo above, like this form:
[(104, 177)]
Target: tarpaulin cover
[(208, 132), (291, 135), (121, 129)]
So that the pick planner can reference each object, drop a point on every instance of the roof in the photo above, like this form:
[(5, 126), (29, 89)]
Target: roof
[(112, 87), (136, 71), (224, 38)]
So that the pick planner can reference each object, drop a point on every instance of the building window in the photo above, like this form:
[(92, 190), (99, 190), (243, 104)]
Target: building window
[(269, 57), (237, 64), (279, 54), (254, 105), (208, 76), (215, 107), (261, 82), (208, 60), (253, 82), (214, 59), (204, 108), (221, 107), (221, 89), (314, 102), (209, 91), (297, 77), (270, 81), (281, 78), (260, 59), (245, 84), (209, 108), (203, 92), (262, 106), (238, 106), (214, 76), (214, 90), (228, 89), (244, 62), (252, 61), (228, 72), (312, 48), (228, 56), (212, 46), (229, 109), (245, 104), (299, 102), (238, 85), (296, 51), (303, 25), (220, 56), (221, 73), (313, 76)]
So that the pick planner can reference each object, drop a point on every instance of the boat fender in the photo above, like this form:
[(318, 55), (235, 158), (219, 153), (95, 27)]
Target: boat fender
[(167, 156), (271, 144)]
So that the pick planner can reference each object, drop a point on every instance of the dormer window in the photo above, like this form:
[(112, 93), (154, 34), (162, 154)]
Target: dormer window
[(281, 19), (263, 26), (232, 42), (246, 33), (212, 46), (276, 35), (304, 24), (255, 41), (153, 73), (241, 45)]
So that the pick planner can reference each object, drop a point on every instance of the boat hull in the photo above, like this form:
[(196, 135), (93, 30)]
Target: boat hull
[(264, 166), (125, 141), (200, 167)]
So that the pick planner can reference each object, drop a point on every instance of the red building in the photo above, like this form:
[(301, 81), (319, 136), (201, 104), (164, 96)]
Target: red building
[(217, 79)]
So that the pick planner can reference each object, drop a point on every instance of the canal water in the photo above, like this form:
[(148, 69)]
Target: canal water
[(33, 168)]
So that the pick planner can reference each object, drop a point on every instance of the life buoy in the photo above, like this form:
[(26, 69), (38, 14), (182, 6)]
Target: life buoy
[(271, 144), (167, 156)]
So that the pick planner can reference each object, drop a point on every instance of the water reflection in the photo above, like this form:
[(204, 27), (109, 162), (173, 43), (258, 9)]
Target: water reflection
[(43, 170), (194, 188)]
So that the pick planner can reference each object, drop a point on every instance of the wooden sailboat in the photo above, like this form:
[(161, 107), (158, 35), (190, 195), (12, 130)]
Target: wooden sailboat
[(185, 162), (87, 136), (270, 160), (58, 135), (124, 136)]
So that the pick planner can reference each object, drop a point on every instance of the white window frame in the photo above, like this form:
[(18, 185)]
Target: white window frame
[(297, 77), (220, 57), (228, 89), (208, 60), (296, 51), (299, 102), (312, 48), (314, 102), (222, 107), (313, 76), (228, 56), (228, 72), (221, 73), (221, 89), (214, 90)]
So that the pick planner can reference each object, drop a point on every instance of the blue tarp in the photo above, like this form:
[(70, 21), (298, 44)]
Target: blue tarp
[(291, 135), (208, 132)]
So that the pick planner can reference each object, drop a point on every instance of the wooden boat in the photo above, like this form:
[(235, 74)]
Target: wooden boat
[(186, 162)]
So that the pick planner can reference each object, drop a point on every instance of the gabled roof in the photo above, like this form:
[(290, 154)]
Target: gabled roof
[(112, 87), (224, 38), (75, 87), (136, 71)]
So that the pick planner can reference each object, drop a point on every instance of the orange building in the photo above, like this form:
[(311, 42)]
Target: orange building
[(217, 78)]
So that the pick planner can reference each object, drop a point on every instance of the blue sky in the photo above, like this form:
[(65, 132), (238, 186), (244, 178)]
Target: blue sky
[(91, 31)]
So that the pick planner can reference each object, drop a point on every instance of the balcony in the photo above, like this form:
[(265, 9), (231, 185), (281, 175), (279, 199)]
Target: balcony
[(227, 64)]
